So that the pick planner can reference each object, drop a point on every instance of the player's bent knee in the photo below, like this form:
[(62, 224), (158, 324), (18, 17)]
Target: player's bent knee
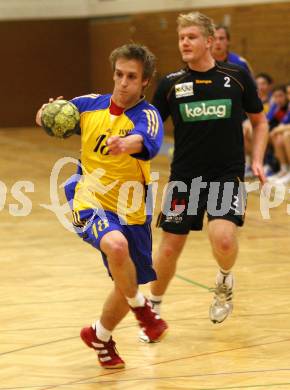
[(224, 244), (170, 251), (116, 250)]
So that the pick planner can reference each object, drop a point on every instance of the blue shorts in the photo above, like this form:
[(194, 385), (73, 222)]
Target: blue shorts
[(138, 237), (92, 227)]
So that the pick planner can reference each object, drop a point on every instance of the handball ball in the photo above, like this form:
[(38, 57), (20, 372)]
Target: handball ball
[(60, 118)]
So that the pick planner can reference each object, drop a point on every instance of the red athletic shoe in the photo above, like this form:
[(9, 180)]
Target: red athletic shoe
[(106, 351), (150, 322)]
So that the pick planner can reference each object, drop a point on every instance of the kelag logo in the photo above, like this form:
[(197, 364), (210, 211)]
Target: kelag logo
[(206, 110)]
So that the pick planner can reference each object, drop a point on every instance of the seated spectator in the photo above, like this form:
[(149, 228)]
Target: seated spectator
[(220, 49), (264, 86), (278, 107), (277, 111), (280, 138)]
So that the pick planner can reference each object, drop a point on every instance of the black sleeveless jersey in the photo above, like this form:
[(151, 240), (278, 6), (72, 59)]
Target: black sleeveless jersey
[(207, 109)]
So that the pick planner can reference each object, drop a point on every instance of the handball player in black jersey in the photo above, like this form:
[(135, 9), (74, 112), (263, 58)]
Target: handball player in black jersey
[(206, 101)]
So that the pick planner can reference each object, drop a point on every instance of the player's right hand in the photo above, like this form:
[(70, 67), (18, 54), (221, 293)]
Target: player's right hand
[(258, 170), (39, 112)]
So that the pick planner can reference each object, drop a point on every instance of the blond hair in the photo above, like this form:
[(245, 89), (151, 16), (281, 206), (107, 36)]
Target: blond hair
[(198, 19)]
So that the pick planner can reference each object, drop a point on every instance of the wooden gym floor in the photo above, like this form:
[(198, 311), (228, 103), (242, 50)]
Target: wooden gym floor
[(51, 284)]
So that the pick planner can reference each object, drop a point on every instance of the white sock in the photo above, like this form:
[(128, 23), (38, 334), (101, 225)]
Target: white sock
[(137, 301), (248, 160), (225, 276), (156, 298), (101, 332), (156, 301), (284, 167), (225, 272)]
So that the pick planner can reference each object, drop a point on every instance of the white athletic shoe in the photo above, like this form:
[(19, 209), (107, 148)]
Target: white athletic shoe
[(248, 172), (144, 338), (277, 176), (222, 304), (283, 179)]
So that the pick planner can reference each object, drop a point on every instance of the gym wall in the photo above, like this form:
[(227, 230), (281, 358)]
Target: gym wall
[(70, 56), (40, 59), (260, 33)]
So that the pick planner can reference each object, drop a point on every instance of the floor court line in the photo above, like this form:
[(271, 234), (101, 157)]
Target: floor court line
[(89, 381), (80, 381), (192, 282), (134, 325), (37, 345)]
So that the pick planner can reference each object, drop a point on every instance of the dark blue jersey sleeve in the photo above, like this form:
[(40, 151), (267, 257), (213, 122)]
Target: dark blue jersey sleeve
[(149, 125), (79, 102), (86, 102), (236, 59), (89, 103)]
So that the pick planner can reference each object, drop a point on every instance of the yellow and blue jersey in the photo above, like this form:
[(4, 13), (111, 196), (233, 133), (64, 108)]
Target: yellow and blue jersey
[(104, 176)]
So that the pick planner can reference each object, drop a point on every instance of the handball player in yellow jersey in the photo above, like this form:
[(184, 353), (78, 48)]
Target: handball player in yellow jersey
[(120, 134)]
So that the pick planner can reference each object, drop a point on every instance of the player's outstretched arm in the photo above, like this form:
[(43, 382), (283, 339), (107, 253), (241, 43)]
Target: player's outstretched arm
[(130, 145), (259, 144), (39, 112)]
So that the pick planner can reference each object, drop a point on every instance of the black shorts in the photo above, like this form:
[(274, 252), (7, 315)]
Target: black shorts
[(186, 201)]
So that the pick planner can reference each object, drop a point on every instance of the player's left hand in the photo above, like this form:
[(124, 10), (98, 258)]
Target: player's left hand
[(116, 145), (258, 170)]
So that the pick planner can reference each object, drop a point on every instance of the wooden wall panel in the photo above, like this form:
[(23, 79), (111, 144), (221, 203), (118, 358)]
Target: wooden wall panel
[(44, 58), (261, 33), (40, 59), (105, 36)]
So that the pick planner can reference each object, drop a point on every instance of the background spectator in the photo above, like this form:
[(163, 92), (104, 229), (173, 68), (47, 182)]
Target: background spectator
[(280, 138), (220, 49)]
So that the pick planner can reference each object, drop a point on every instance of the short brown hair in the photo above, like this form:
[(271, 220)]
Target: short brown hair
[(133, 51), (198, 19), (226, 30)]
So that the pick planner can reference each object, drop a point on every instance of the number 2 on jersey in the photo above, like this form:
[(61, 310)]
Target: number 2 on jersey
[(227, 82)]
